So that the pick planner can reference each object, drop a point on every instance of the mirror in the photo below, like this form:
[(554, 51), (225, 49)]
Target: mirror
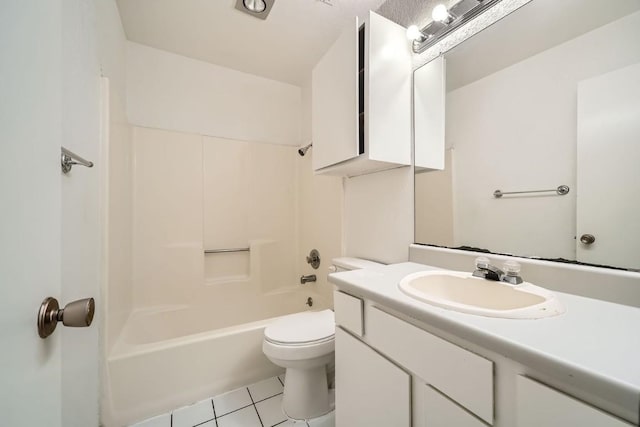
[(547, 97)]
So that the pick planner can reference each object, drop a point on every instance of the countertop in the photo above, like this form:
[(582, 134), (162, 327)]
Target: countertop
[(595, 344)]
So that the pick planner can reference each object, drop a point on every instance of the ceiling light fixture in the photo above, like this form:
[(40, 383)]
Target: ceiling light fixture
[(256, 8), (445, 21)]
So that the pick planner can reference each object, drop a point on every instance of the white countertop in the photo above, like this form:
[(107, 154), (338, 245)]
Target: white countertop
[(596, 344)]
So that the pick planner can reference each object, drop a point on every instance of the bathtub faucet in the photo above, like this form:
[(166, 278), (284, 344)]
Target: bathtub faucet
[(306, 279)]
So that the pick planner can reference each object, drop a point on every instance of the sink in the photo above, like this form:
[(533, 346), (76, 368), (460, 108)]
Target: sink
[(460, 291)]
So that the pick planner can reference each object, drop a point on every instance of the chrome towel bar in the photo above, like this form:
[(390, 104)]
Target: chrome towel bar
[(222, 251), (69, 158), (560, 191)]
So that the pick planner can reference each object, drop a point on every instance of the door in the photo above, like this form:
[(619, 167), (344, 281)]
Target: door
[(48, 98), (608, 194)]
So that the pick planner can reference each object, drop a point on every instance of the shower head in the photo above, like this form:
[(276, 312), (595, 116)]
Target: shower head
[(302, 151)]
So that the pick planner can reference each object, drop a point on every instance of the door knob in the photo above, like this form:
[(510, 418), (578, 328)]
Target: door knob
[(587, 239), (78, 314)]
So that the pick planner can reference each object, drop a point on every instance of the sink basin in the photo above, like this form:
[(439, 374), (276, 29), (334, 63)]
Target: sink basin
[(460, 291)]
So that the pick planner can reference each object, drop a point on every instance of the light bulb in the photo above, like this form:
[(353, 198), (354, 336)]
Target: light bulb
[(413, 33), (256, 6), (440, 13)]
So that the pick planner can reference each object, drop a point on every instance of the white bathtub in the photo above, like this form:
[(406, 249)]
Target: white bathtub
[(172, 356)]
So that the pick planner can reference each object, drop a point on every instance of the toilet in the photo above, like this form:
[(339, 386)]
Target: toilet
[(303, 344)]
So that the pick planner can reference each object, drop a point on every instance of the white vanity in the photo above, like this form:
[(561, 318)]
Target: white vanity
[(404, 362)]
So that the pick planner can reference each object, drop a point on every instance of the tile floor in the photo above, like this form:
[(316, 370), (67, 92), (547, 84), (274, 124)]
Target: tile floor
[(257, 405)]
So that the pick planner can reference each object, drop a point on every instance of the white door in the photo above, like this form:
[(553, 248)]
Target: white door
[(608, 176), (48, 98)]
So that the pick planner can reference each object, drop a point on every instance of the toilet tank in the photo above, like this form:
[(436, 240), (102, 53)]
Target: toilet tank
[(347, 264)]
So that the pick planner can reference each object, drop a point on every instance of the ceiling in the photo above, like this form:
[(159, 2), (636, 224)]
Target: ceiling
[(284, 47)]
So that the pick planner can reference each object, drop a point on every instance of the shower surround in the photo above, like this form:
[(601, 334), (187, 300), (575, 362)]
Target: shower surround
[(196, 324)]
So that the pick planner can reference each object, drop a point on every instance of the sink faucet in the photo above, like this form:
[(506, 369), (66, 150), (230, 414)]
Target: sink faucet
[(306, 279), (485, 270)]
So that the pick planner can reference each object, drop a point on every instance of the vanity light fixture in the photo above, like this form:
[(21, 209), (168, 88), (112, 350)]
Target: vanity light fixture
[(445, 21), (257, 8)]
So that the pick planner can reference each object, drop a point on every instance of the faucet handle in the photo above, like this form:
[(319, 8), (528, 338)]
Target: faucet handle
[(511, 268), (482, 262)]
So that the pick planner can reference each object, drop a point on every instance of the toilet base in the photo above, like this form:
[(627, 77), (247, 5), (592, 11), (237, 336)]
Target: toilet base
[(306, 393)]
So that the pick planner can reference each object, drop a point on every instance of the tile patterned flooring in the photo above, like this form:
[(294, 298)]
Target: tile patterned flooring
[(257, 405)]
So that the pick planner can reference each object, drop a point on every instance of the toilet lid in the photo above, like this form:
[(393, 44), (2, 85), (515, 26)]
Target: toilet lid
[(300, 328)]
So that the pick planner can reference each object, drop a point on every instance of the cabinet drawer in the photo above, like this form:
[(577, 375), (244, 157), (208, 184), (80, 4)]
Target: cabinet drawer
[(539, 405), (443, 412), (349, 312), (463, 376)]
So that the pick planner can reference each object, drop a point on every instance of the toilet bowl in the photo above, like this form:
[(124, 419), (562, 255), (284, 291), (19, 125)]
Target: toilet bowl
[(303, 344)]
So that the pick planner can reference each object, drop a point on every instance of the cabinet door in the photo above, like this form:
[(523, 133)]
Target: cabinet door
[(370, 390), (387, 92), (440, 411), (334, 102), (460, 374), (539, 405), (429, 97)]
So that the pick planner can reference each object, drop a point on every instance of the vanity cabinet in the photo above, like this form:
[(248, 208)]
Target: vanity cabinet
[(374, 375), (361, 100), (539, 405), (391, 372)]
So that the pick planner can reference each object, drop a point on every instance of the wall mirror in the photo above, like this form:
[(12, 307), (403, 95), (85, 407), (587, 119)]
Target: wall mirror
[(547, 98)]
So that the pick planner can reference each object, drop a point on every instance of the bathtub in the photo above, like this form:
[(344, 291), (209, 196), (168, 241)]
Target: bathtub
[(170, 356)]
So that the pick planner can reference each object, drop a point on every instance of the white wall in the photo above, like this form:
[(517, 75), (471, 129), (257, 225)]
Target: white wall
[(168, 91), (378, 215), (516, 130)]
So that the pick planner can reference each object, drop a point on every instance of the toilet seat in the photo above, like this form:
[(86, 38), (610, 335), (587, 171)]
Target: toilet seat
[(302, 329), (301, 344)]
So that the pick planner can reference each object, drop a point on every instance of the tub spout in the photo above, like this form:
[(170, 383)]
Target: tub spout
[(306, 279)]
